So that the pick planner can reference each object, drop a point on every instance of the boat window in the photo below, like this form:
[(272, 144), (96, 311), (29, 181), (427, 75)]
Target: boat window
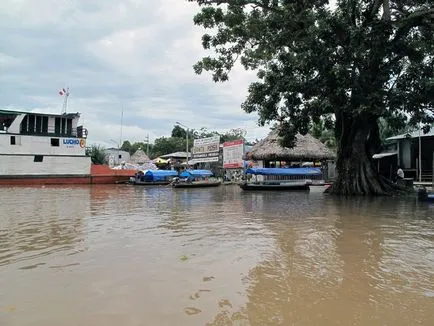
[(55, 142), (31, 123), (38, 158), (13, 140), (38, 124), (45, 125), (24, 125), (63, 126), (57, 125), (69, 127)]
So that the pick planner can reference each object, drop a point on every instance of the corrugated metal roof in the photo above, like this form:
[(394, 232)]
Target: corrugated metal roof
[(413, 134), (381, 155), (176, 154)]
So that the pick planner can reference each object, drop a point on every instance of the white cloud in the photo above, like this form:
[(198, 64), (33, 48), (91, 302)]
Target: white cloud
[(114, 54)]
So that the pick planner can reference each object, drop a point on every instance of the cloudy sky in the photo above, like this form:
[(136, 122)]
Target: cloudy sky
[(114, 54)]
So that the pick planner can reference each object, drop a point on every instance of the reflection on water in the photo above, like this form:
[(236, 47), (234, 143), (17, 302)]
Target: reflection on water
[(125, 255)]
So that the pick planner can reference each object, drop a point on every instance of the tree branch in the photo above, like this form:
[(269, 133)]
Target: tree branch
[(386, 10), (412, 20), (254, 3)]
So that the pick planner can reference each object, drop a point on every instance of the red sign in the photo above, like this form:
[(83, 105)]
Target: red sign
[(233, 152)]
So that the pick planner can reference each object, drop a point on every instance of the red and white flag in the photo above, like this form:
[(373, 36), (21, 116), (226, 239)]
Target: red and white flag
[(62, 91)]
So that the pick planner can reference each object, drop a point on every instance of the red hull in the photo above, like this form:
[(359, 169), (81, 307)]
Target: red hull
[(100, 174)]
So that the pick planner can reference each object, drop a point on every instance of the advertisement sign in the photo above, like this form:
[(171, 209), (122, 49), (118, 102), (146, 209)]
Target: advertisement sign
[(233, 152), (206, 149)]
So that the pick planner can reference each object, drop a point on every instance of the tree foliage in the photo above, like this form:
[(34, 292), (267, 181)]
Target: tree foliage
[(179, 132), (323, 132), (166, 145), (97, 154), (358, 61), (126, 146)]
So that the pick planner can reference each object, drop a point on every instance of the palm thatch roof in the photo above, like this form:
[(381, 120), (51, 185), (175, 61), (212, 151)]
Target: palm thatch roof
[(307, 148), (139, 157)]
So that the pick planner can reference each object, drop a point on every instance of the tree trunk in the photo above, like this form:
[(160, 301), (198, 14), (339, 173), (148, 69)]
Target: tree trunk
[(357, 140)]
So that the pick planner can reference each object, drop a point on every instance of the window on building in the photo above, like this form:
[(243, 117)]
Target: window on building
[(38, 158), (13, 140), (55, 142)]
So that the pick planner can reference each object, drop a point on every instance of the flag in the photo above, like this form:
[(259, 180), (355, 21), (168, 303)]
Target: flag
[(62, 91)]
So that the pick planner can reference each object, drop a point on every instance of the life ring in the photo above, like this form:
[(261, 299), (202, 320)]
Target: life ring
[(82, 143), (85, 132)]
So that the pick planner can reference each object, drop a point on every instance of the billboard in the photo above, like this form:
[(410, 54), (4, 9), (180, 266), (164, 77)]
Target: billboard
[(206, 150), (233, 152)]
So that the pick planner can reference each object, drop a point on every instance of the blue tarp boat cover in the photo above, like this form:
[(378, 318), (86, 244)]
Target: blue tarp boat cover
[(158, 175), (284, 171), (196, 173)]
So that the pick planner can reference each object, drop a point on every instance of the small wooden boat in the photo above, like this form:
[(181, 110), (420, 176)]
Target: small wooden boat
[(424, 195), (274, 186), (196, 184), (195, 179), (282, 178), (153, 177)]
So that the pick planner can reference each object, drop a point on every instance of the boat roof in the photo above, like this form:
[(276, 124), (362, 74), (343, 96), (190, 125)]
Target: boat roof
[(413, 134), (196, 173), (16, 112), (161, 172), (284, 171)]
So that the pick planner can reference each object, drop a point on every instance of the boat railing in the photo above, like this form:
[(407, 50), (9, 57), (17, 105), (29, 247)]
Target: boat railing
[(292, 177), (287, 179), (78, 132)]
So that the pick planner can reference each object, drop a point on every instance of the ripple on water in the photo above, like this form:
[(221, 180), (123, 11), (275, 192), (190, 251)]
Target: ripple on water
[(212, 256)]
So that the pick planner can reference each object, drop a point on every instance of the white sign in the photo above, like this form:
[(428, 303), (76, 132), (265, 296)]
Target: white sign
[(204, 160), (206, 149), (233, 152), (206, 145)]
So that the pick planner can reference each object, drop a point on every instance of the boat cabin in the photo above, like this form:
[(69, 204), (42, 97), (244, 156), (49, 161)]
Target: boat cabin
[(42, 143), (154, 176), (41, 124), (196, 175), (285, 175)]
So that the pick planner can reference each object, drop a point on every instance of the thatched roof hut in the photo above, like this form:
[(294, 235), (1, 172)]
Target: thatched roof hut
[(139, 157), (307, 148)]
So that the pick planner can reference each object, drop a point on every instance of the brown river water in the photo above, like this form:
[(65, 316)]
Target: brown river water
[(125, 255)]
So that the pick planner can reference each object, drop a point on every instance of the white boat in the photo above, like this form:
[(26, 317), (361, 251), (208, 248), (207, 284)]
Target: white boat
[(40, 148), (282, 178)]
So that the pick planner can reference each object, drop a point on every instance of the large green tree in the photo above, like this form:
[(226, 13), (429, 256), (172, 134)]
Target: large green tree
[(355, 60), (167, 145)]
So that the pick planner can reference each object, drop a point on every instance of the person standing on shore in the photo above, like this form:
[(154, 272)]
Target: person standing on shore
[(399, 173)]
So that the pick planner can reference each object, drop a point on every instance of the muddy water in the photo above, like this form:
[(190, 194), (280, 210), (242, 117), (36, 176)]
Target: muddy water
[(124, 255)]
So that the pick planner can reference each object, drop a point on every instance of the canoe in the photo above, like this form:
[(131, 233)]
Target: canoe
[(150, 183), (197, 184), (424, 195), (274, 186)]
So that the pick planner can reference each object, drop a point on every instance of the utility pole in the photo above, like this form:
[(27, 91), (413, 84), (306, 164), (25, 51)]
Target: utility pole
[(65, 92), (147, 145), (420, 156), (186, 140), (122, 122)]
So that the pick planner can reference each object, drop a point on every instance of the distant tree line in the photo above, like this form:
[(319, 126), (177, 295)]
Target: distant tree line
[(176, 142)]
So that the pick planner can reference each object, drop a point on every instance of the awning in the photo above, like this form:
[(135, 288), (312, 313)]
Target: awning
[(381, 155)]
